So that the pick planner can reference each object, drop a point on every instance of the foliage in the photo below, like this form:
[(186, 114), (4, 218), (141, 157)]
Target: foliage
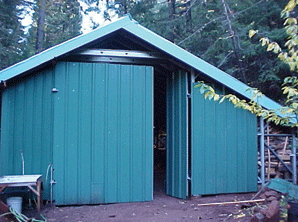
[(289, 56), (201, 28), (214, 43), (198, 26), (252, 106), (62, 22), (11, 32)]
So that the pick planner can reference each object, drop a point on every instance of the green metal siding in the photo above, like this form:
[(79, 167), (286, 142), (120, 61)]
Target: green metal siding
[(224, 147), (177, 135), (26, 125), (103, 133)]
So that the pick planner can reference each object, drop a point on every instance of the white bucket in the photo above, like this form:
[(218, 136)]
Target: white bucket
[(15, 203)]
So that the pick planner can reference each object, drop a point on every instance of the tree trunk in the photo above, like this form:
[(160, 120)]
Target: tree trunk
[(124, 4), (234, 43), (171, 4), (40, 26), (188, 16)]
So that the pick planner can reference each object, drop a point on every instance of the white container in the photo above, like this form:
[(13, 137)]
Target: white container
[(15, 203)]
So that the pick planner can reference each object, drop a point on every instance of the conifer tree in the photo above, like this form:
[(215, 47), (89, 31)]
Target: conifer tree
[(62, 21), (11, 32)]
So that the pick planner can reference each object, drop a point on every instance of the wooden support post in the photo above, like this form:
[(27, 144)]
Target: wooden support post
[(33, 190), (39, 197), (3, 207), (2, 188), (284, 150)]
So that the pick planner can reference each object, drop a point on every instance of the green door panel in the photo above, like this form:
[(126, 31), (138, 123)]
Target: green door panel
[(103, 133), (177, 134), (224, 147)]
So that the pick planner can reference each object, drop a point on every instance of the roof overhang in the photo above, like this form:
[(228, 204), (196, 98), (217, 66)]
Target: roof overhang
[(154, 47)]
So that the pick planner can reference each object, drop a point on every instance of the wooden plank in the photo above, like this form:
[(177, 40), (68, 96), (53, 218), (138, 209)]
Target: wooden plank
[(19, 179), (232, 202), (3, 207), (271, 170), (34, 191), (39, 197)]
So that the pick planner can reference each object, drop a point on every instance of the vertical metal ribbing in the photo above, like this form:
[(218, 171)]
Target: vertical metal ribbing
[(177, 135), (262, 151), (294, 158), (191, 80), (114, 169)]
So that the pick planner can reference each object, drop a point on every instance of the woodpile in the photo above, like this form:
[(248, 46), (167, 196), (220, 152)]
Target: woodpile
[(282, 147)]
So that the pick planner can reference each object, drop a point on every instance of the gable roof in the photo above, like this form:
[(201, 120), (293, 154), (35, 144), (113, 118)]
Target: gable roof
[(131, 26)]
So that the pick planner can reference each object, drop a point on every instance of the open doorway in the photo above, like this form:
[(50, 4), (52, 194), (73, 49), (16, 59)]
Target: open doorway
[(160, 124), (171, 116)]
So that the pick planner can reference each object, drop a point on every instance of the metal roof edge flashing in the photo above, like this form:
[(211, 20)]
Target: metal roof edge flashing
[(128, 15), (197, 63), (130, 25), (62, 48)]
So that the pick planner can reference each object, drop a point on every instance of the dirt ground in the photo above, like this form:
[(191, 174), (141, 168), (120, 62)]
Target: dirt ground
[(162, 208)]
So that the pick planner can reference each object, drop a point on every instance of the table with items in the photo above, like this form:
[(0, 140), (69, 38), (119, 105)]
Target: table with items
[(29, 181)]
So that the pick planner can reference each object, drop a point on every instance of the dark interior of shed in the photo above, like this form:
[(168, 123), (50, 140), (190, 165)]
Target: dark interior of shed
[(160, 122)]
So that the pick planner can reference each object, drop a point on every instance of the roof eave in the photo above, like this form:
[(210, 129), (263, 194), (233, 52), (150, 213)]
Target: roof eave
[(130, 25), (198, 64), (61, 49)]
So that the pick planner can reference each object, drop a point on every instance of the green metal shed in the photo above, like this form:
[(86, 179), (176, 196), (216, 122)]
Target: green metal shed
[(89, 106)]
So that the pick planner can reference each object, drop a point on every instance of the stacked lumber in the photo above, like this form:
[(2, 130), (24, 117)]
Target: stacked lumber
[(282, 147)]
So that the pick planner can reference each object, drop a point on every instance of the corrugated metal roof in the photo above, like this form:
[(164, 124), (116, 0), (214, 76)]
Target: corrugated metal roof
[(131, 26)]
